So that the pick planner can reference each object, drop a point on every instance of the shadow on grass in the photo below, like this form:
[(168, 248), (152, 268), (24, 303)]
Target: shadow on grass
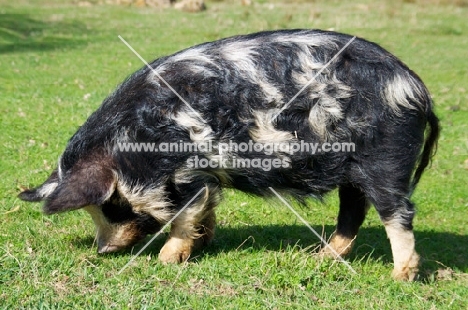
[(22, 33), (438, 250)]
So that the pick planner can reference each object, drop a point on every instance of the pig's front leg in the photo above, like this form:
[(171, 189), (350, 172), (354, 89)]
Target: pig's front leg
[(191, 230)]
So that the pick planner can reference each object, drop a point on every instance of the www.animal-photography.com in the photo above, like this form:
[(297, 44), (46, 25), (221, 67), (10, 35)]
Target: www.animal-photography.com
[(189, 154)]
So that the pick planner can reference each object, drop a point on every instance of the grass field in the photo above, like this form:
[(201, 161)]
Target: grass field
[(59, 60)]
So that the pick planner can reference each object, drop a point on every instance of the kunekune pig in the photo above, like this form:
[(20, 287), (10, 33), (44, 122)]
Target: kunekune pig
[(238, 91)]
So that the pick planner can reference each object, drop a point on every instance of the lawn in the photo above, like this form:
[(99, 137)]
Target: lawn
[(59, 60)]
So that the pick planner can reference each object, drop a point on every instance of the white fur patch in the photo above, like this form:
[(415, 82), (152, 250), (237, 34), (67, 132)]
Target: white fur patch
[(183, 176), (195, 58), (191, 54), (202, 135), (186, 175), (306, 39), (187, 224), (265, 131), (153, 201), (59, 169), (47, 189), (402, 89), (242, 54), (326, 111), (199, 131), (201, 70), (327, 108)]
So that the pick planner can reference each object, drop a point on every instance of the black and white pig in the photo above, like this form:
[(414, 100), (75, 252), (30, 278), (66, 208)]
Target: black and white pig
[(238, 91)]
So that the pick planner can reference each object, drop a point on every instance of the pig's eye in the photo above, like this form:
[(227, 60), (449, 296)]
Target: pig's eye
[(118, 210)]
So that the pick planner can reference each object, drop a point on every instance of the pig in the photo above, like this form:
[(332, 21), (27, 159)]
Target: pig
[(231, 114)]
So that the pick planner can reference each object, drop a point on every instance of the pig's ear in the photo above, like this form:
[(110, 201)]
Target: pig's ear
[(43, 191), (83, 187)]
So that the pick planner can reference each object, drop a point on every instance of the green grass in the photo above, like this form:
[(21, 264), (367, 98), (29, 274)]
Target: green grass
[(58, 61)]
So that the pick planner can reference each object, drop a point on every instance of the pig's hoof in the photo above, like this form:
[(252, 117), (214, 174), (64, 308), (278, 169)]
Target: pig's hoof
[(176, 251), (338, 246), (408, 271)]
